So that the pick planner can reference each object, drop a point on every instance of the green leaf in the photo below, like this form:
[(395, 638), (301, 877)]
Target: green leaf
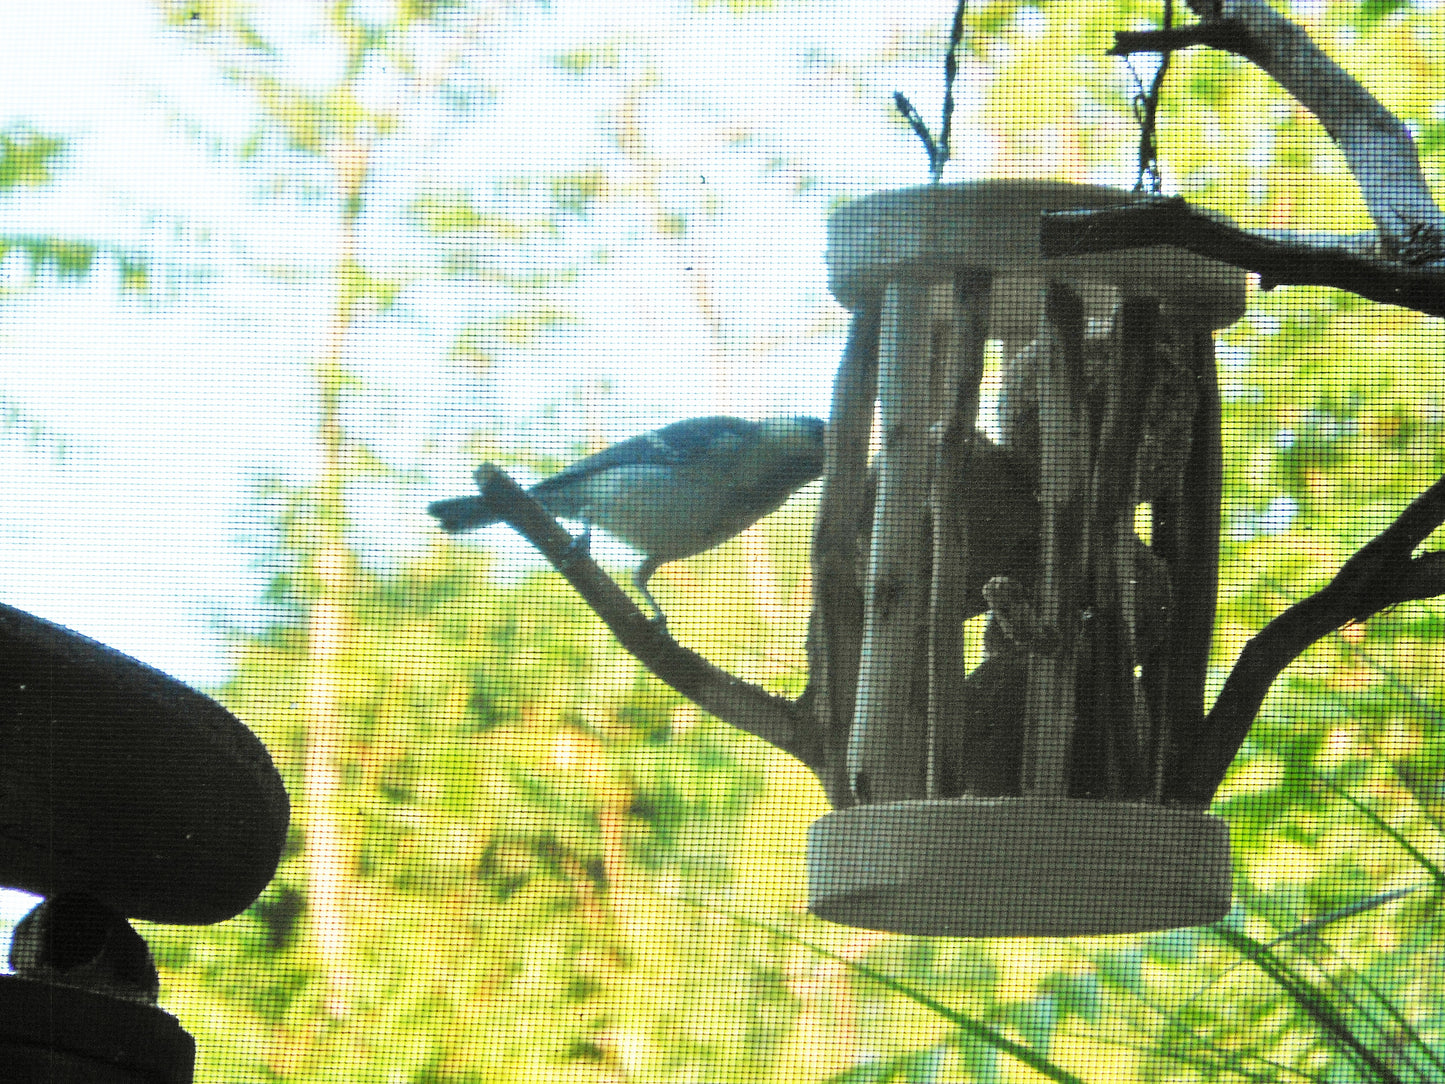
[(27, 158), (1372, 11)]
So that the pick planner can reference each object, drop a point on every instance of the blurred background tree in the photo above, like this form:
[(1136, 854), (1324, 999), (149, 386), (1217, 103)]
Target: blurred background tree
[(534, 228), (30, 159)]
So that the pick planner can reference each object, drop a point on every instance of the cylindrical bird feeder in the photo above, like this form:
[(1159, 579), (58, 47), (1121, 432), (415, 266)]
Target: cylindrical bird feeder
[(1028, 796)]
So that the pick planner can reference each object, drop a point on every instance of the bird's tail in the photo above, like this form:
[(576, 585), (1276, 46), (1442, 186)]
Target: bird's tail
[(462, 513)]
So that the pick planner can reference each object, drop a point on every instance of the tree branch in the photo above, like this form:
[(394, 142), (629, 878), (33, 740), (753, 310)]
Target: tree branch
[(1380, 575), (777, 720), (1227, 37), (1376, 145), (1281, 257)]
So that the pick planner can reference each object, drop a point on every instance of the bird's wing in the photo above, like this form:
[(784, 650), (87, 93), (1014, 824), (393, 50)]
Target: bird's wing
[(671, 446)]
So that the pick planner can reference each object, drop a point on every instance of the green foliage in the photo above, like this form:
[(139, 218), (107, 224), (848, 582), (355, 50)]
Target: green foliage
[(1035, 1021), (27, 158), (1372, 11), (16, 423), (66, 259), (517, 793), (738, 7), (525, 809), (454, 213)]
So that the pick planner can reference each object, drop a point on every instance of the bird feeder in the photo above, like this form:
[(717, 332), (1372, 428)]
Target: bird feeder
[(1029, 795)]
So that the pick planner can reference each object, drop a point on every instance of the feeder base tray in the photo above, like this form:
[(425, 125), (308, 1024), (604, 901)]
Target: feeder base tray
[(1018, 867)]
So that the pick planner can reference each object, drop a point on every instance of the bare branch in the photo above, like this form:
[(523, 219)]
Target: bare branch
[(1281, 257), (953, 436), (1224, 36), (1377, 146), (1424, 578), (776, 720), (1380, 575), (1065, 467), (887, 752), (936, 154)]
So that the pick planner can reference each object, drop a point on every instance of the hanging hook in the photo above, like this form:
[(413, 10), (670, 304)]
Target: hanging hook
[(1146, 110), (938, 149)]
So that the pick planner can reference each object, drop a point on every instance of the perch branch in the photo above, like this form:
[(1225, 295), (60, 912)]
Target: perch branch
[(775, 719), (1376, 145), (1281, 257), (1380, 575)]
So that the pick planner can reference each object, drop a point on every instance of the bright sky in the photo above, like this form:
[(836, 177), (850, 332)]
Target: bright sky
[(144, 532), (167, 410), (133, 518)]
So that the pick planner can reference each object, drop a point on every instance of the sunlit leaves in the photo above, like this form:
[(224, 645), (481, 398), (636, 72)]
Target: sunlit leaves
[(27, 158), (738, 7), (510, 775), (66, 259), (515, 787), (456, 215), (575, 192), (16, 423), (1372, 11), (583, 61)]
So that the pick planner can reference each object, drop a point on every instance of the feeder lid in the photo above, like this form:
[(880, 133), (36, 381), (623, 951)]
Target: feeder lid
[(1018, 867), (935, 232), (122, 782)]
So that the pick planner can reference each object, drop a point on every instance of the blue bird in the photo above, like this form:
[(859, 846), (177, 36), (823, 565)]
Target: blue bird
[(673, 492)]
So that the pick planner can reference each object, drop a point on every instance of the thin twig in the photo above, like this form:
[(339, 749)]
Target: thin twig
[(920, 129)]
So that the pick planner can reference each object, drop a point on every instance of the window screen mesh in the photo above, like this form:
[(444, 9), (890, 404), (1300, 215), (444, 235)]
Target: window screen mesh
[(275, 277)]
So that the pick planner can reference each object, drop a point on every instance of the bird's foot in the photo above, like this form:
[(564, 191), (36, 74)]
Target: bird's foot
[(658, 620), (580, 549)]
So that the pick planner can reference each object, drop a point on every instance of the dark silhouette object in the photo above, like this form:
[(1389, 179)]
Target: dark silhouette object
[(75, 940), (121, 782), (81, 1007), (122, 793)]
